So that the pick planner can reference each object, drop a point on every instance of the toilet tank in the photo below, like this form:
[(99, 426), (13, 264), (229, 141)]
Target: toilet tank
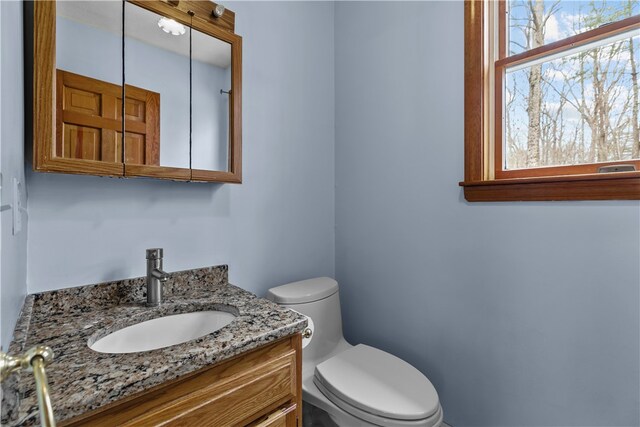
[(318, 299)]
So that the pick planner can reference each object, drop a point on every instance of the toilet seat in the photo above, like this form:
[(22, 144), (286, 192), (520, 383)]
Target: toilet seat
[(378, 387), (366, 418)]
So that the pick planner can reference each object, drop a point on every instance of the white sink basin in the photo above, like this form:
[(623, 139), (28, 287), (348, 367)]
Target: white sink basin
[(163, 332)]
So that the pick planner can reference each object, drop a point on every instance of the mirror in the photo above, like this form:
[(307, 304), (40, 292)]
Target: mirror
[(171, 69), (157, 111), (89, 82), (211, 97)]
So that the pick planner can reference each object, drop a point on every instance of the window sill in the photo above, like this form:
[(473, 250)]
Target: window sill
[(612, 186)]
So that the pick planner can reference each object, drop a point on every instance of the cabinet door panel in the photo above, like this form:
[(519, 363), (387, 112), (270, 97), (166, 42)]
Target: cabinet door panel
[(80, 142), (229, 403)]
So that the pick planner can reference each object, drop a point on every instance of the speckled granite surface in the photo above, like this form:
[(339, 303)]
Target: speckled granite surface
[(81, 379)]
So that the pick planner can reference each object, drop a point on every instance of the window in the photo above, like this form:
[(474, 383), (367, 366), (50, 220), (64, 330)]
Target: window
[(551, 95)]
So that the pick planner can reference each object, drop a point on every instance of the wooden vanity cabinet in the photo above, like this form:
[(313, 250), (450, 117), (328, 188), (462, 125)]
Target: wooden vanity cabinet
[(260, 388)]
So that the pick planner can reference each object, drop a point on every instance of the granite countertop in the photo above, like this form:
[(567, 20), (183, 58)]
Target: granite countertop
[(82, 380)]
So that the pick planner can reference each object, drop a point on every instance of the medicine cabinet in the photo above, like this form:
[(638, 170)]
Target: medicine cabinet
[(137, 89)]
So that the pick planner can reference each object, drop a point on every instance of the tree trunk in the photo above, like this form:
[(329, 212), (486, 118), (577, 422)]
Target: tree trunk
[(601, 116), (635, 126), (535, 82)]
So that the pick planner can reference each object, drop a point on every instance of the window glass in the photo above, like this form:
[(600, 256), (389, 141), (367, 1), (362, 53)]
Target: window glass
[(576, 109), (533, 23)]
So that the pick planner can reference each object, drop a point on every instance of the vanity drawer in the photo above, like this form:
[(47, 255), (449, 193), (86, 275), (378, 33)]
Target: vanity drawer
[(252, 388), (283, 417), (229, 402)]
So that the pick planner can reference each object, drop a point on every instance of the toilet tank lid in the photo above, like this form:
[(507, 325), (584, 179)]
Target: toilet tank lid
[(304, 291)]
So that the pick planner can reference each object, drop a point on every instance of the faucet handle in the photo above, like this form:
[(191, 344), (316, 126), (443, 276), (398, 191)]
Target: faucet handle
[(154, 253)]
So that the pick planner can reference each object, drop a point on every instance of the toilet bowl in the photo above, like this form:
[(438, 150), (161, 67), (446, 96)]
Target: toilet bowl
[(355, 385)]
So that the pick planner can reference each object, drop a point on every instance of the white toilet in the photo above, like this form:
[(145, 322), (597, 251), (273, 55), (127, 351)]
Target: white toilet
[(356, 385)]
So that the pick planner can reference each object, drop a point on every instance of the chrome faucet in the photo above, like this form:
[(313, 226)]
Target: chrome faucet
[(155, 277)]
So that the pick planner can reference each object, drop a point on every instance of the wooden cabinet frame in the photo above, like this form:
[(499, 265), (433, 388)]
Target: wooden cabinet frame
[(193, 13), (480, 181)]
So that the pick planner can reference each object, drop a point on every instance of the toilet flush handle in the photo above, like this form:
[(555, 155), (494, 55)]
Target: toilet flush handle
[(307, 333)]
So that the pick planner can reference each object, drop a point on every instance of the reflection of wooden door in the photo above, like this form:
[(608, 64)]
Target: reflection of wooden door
[(89, 121)]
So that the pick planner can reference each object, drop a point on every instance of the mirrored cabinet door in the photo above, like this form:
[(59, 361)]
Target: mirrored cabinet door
[(211, 98), (88, 85), (157, 106), (216, 62)]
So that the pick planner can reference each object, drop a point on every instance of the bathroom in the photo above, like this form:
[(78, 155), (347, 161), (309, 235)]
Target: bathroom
[(519, 313)]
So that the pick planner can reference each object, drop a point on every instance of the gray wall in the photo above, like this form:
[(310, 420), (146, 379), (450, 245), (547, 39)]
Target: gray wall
[(521, 314), (276, 227), (13, 268)]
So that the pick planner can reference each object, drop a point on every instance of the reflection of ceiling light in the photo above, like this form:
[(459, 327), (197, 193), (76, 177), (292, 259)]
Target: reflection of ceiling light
[(171, 27)]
